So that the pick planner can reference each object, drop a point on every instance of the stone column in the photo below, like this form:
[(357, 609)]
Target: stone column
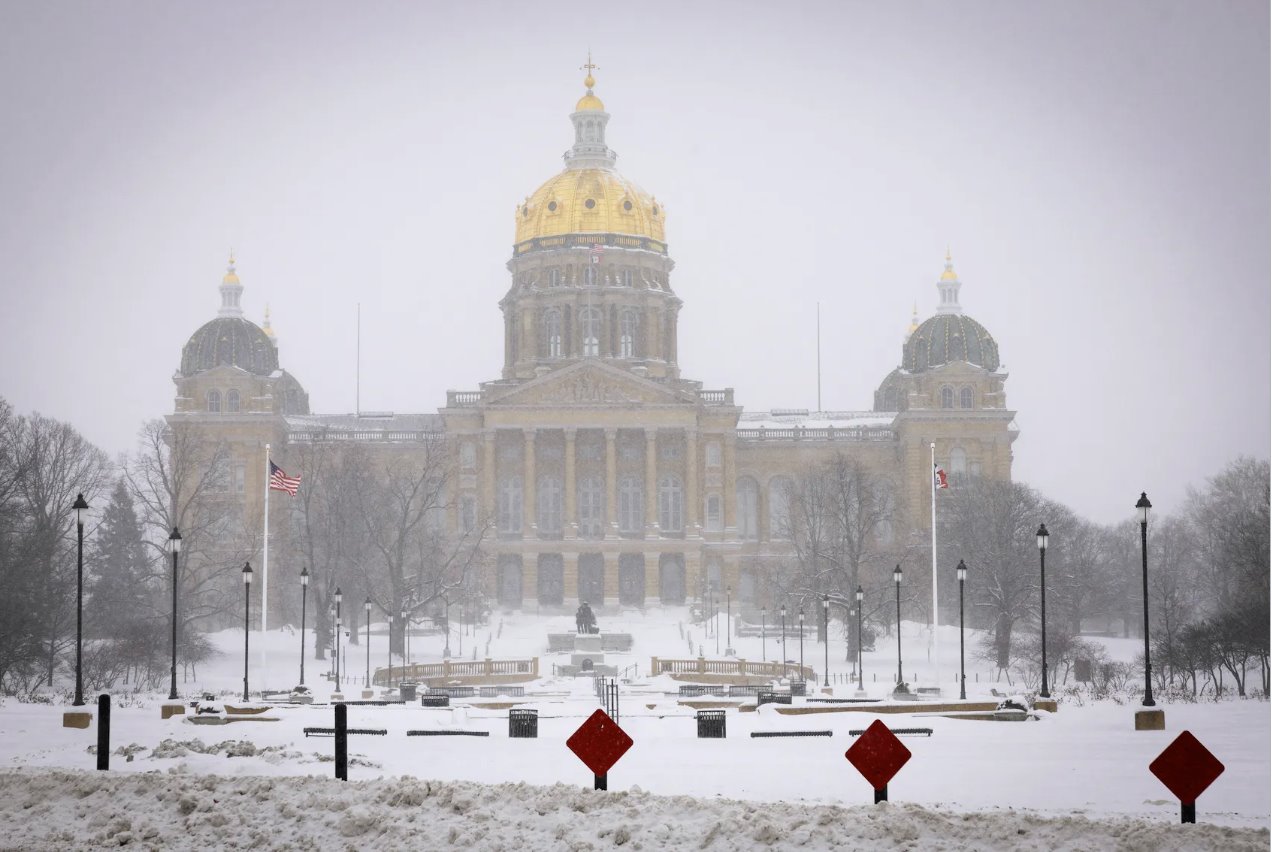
[(570, 576), (611, 483), (528, 490), (651, 483), (488, 464), (693, 499), (730, 486), (611, 575), (571, 521)]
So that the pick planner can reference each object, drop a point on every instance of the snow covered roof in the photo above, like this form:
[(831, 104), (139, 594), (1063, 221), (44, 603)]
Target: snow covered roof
[(787, 418), (367, 426)]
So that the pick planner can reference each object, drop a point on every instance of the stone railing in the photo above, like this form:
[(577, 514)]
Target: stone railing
[(716, 397), (738, 668), (461, 670), (832, 433), (462, 399), (313, 436)]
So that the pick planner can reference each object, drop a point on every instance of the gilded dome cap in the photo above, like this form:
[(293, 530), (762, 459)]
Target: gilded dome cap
[(946, 338), (590, 201)]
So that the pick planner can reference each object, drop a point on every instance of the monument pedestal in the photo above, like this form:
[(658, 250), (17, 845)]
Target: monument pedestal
[(167, 711), (77, 719), (1150, 719)]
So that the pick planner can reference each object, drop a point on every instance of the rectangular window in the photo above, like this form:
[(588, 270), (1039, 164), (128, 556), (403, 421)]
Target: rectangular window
[(468, 514), (713, 454), (240, 478), (714, 518)]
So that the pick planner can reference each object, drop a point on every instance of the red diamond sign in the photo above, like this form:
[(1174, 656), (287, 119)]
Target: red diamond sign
[(599, 742), (878, 755), (1186, 767)]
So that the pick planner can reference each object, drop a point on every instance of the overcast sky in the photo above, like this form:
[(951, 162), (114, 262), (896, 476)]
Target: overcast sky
[(1099, 170)]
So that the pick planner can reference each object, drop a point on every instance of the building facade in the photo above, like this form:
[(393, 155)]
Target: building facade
[(604, 474)]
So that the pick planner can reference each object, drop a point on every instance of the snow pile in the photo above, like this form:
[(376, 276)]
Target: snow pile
[(52, 809)]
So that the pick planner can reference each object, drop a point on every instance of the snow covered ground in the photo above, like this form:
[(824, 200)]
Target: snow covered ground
[(1077, 779)]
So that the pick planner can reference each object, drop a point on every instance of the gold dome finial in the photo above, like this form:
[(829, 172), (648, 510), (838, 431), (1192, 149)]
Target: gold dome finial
[(589, 101), (948, 274), (265, 326), (231, 277), (914, 322)]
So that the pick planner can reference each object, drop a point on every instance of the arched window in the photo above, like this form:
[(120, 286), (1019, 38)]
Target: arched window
[(589, 275), (554, 277), (631, 516), (715, 521), (549, 505), (232, 401), (947, 397), (965, 398), (627, 333), (214, 402), (552, 332), (590, 331), (671, 505), (958, 464), (780, 507), (510, 505), (591, 507), (748, 508)]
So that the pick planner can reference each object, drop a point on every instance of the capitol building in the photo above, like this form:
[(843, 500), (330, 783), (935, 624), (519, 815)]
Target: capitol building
[(599, 469)]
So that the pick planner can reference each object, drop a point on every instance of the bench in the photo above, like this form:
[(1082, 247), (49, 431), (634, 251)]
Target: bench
[(448, 733), (771, 698), (331, 732), (844, 700), (901, 732), (695, 691), (496, 691), (753, 691), (434, 700), (756, 734), (453, 691)]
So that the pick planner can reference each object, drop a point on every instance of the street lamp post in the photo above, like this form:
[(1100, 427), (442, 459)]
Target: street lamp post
[(763, 634), (715, 621), (1143, 506), (962, 677), (861, 671), (390, 617), (783, 640), (80, 506), (728, 621), (1042, 568), (368, 631), (247, 620), (801, 643), (896, 575), (304, 594), (339, 597), (826, 634), (445, 650), (174, 543)]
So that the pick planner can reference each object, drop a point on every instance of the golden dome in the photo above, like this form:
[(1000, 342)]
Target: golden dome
[(231, 277), (590, 201), (589, 101), (948, 274)]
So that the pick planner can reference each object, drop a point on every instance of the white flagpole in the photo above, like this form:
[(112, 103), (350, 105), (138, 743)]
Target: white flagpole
[(265, 571), (936, 621)]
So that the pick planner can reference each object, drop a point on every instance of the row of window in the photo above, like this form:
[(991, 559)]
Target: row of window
[(588, 452), (230, 401), (549, 507), (591, 326), (965, 397), (593, 275)]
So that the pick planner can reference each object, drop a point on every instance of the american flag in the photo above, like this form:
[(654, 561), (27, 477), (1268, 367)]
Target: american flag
[(279, 481), (598, 251), (939, 479)]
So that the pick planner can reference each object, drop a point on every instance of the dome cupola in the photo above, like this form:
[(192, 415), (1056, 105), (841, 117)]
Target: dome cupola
[(949, 336), (230, 340)]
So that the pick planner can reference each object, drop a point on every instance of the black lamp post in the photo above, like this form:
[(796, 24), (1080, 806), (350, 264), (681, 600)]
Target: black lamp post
[(783, 640), (1143, 506), (247, 619), (80, 506), (174, 543), (338, 597), (826, 631), (861, 671), (368, 612), (896, 575), (1042, 567), (304, 593), (962, 677), (763, 634), (389, 615), (446, 650), (715, 621), (801, 643)]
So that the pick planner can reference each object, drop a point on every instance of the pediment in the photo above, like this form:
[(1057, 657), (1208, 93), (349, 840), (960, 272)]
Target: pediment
[(589, 384)]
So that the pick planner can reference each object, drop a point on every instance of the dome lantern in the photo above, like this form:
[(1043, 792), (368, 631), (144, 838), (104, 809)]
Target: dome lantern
[(948, 287), (231, 292), (589, 119)]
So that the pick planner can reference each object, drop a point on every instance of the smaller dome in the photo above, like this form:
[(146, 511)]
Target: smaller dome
[(589, 102), (946, 338), (229, 342)]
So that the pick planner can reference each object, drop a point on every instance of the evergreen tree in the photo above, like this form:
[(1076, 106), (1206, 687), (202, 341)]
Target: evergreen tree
[(120, 593)]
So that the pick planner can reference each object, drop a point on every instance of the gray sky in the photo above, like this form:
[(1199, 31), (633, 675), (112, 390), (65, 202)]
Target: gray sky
[(1099, 170)]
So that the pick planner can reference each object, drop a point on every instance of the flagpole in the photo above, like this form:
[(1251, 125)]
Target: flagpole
[(265, 572), (936, 621)]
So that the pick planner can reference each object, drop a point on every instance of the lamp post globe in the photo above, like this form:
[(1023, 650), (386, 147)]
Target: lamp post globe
[(81, 507), (1042, 569), (896, 576), (1142, 506), (861, 671), (962, 677), (826, 635), (247, 619), (304, 594), (174, 544)]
